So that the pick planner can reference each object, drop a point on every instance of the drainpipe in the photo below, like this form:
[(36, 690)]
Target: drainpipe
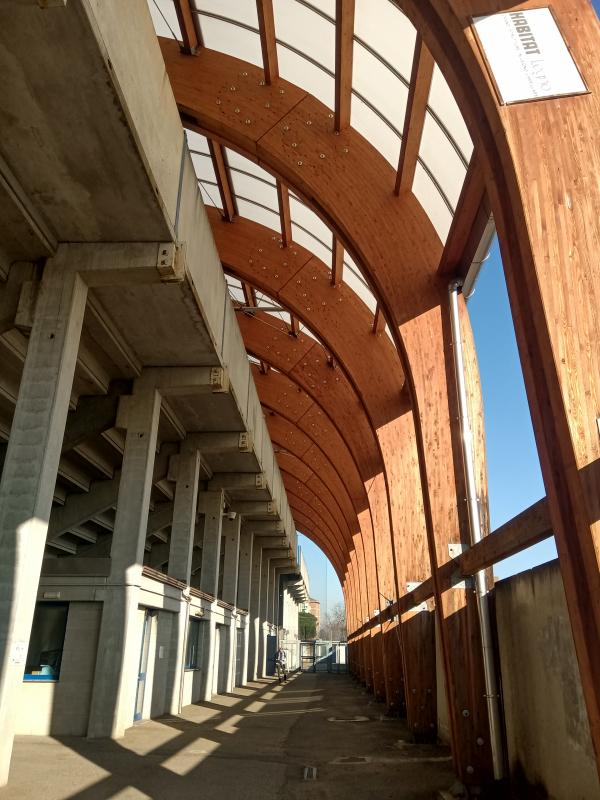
[(491, 682)]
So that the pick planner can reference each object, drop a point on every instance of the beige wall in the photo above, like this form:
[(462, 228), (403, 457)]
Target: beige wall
[(548, 735), (62, 708)]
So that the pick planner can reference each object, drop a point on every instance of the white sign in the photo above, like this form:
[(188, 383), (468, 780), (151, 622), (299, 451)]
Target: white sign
[(527, 55), (19, 652)]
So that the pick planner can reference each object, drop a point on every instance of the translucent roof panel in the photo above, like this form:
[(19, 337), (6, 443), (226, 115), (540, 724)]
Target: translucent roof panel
[(309, 231), (383, 28), (306, 47), (242, 11), (196, 141), (258, 213), (443, 160), (238, 162), (353, 278), (432, 201), (234, 287), (379, 88), (384, 42), (201, 159), (165, 19), (443, 105), (231, 28), (376, 130), (251, 187)]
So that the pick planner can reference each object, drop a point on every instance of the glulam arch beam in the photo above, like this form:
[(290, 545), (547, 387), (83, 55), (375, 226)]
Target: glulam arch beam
[(338, 317), (535, 183), (285, 397), (529, 231), (304, 361), (292, 443), (350, 186), (321, 535)]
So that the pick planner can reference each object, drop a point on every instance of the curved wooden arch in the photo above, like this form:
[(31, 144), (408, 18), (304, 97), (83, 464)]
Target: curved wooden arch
[(251, 249), (414, 301), (356, 349), (405, 282), (318, 495), (337, 316), (288, 437), (286, 398), (304, 361)]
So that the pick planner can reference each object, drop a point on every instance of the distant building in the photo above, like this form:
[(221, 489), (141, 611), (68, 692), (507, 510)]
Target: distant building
[(314, 608)]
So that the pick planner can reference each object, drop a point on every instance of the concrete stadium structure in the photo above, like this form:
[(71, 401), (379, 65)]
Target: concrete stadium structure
[(232, 244)]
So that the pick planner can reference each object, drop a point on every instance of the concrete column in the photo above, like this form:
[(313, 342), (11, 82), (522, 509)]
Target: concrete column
[(115, 682), (231, 541), (276, 567), (254, 611), (29, 475), (231, 642), (243, 593), (265, 587), (212, 503), (184, 513), (244, 570), (180, 559)]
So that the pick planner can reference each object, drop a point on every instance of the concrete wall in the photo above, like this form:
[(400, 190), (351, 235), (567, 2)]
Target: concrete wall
[(62, 708), (549, 747), (163, 679)]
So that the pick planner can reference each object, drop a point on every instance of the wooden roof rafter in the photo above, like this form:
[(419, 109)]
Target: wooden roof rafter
[(414, 121), (268, 42), (285, 217), (219, 160), (344, 48), (378, 320), (337, 262), (188, 22)]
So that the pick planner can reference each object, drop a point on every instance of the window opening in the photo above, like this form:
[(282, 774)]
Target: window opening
[(47, 641)]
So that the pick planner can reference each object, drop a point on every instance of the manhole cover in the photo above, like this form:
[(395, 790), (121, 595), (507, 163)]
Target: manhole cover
[(348, 719), (352, 760)]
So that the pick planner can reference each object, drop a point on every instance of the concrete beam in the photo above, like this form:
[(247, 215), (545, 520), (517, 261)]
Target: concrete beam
[(247, 508), (126, 263), (158, 519), (10, 292), (44, 235), (264, 527), (222, 443), (94, 415), (79, 508), (234, 481), (185, 381)]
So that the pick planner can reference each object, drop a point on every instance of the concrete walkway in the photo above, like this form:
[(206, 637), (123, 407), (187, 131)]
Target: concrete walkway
[(252, 745)]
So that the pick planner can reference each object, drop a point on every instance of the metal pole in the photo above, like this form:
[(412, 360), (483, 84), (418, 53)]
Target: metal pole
[(491, 682)]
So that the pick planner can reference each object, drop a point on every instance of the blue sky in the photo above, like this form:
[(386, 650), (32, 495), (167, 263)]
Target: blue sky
[(514, 483)]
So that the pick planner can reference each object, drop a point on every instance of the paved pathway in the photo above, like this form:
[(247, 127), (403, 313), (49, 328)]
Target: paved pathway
[(251, 745)]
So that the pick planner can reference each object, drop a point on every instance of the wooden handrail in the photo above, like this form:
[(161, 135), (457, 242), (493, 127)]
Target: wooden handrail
[(529, 527)]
